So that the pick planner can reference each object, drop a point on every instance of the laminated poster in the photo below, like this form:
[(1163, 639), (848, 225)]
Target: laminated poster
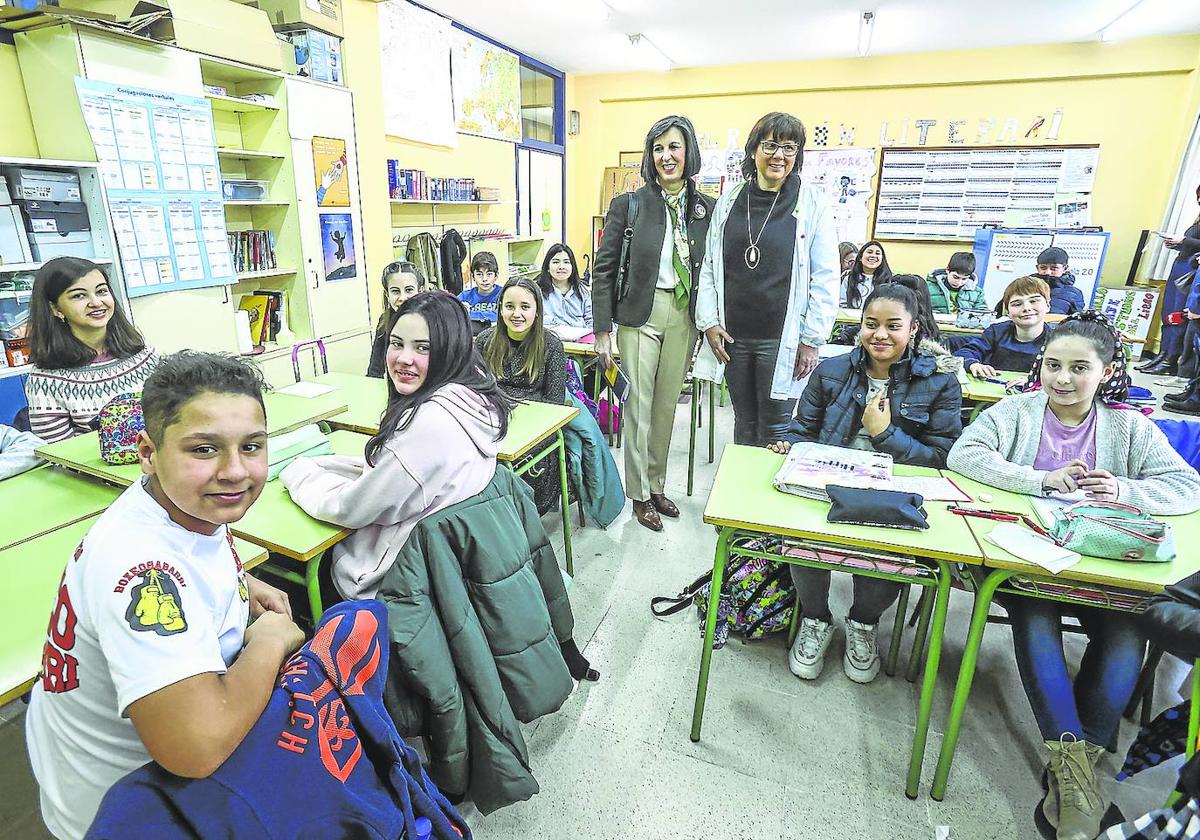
[(337, 247), (329, 162), (157, 154)]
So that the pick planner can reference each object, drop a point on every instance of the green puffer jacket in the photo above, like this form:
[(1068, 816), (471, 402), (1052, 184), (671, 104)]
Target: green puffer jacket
[(476, 611), (970, 296)]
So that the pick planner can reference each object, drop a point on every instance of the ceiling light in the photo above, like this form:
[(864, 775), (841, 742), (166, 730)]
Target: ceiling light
[(660, 61), (866, 28), (1119, 26)]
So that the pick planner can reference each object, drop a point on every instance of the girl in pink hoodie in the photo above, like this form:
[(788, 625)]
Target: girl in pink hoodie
[(436, 445)]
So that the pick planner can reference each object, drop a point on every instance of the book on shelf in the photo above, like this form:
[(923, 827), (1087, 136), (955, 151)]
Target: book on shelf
[(416, 185), (258, 306), (252, 250), (274, 307)]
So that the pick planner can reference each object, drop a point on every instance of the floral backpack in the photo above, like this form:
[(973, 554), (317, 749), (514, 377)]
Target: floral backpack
[(757, 599), (120, 423)]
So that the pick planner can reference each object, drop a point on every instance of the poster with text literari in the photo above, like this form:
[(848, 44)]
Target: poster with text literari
[(337, 247), (329, 162)]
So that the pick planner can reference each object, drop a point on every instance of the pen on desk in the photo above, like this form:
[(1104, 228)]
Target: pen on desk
[(985, 514)]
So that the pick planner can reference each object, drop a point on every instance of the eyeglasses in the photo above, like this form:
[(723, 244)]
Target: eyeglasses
[(770, 147)]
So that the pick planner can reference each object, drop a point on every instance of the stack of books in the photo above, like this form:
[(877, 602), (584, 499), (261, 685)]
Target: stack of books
[(252, 250)]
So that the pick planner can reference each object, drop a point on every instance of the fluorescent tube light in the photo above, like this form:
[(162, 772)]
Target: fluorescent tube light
[(866, 28)]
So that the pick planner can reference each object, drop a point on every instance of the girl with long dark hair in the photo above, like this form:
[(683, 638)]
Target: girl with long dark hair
[(436, 445), (568, 302), (83, 348), (869, 271)]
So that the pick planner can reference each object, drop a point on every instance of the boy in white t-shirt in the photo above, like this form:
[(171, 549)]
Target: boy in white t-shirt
[(148, 655)]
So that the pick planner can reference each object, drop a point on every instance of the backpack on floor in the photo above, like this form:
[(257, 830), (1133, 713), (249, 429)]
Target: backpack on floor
[(757, 598), (609, 416)]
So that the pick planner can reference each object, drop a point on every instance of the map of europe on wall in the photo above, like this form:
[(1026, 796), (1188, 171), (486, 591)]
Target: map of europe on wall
[(487, 88)]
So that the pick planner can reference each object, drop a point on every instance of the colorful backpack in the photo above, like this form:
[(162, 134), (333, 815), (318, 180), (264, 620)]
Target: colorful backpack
[(120, 423), (757, 598)]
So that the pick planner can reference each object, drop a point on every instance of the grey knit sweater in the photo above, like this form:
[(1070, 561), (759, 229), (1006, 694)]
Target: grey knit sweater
[(1001, 445)]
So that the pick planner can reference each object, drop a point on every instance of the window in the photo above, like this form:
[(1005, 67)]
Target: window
[(538, 117)]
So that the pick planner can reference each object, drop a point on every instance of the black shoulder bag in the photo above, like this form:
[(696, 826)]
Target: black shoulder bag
[(626, 239)]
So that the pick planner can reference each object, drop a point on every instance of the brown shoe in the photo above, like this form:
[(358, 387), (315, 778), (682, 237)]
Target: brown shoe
[(647, 515), (664, 505)]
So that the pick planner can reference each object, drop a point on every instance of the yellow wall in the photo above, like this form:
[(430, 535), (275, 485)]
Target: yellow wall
[(491, 163), (16, 137), (1138, 100)]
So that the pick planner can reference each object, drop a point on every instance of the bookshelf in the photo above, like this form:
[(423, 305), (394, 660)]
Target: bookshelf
[(511, 253), (253, 143)]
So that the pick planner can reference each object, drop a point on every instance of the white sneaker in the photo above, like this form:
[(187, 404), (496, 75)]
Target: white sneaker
[(807, 656), (861, 661)]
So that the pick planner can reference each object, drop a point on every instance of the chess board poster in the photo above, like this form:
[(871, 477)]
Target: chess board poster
[(946, 194)]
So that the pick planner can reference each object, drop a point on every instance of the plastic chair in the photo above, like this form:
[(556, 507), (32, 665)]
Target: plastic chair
[(318, 348)]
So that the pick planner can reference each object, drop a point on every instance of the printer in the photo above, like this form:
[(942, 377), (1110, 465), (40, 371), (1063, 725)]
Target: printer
[(54, 215)]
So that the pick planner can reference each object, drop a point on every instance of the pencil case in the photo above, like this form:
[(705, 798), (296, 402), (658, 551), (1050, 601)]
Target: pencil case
[(1114, 531), (879, 508)]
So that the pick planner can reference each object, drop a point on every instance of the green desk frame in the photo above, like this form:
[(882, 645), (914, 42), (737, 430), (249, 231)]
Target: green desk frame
[(744, 504), (1096, 582)]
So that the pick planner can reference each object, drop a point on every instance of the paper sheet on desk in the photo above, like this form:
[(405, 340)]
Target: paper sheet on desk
[(1020, 541), (308, 390)]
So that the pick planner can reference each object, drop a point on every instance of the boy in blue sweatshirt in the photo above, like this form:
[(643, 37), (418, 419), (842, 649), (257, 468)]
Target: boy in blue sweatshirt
[(1065, 299), (482, 299), (1014, 343)]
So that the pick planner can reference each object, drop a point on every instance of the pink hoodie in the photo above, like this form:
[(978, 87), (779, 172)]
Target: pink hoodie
[(447, 454)]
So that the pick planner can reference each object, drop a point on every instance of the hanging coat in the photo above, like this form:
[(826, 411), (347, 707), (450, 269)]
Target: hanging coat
[(453, 252), (422, 251), (591, 468)]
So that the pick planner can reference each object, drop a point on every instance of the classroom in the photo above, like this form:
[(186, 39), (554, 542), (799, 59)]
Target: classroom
[(599, 420)]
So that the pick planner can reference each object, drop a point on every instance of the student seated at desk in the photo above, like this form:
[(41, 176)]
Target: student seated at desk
[(868, 272), (83, 348), (889, 394), (529, 363), (401, 280), (568, 302), (16, 451), (1065, 299), (1012, 344), (483, 299), (148, 655), (436, 445), (1071, 435), (954, 287)]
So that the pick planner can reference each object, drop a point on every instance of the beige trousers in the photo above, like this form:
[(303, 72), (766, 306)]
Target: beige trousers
[(655, 358)]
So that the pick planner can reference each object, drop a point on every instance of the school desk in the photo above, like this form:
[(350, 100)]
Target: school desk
[(286, 413), (530, 424), (31, 572), (945, 322), (983, 393), (45, 499), (745, 505), (274, 521), (1111, 584)]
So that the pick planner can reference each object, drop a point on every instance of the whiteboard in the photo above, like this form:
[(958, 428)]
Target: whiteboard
[(847, 177), (1002, 256), (946, 194)]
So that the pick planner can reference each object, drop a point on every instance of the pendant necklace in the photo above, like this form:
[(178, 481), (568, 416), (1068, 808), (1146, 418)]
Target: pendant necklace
[(753, 255)]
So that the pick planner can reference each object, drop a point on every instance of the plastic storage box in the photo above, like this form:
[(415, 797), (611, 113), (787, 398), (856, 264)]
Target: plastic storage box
[(244, 189)]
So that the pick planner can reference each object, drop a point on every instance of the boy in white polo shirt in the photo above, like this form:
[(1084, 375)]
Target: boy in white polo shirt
[(148, 655)]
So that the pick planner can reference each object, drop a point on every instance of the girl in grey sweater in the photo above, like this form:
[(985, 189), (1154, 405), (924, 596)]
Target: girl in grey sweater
[(1069, 436)]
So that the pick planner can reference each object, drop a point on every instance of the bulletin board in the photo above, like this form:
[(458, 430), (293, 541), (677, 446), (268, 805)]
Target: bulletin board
[(945, 194)]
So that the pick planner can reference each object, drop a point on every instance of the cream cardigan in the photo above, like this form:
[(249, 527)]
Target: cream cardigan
[(1001, 445)]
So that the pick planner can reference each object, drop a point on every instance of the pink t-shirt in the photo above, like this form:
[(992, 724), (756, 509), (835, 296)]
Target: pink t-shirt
[(1062, 444)]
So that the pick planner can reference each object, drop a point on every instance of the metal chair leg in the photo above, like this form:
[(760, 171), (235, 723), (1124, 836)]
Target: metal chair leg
[(923, 612), (897, 632)]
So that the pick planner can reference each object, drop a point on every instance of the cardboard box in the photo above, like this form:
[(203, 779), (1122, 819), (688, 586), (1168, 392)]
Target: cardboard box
[(214, 27), (314, 55), (16, 352), (325, 15)]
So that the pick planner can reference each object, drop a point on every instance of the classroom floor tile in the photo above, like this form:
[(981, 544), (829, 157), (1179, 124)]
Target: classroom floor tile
[(779, 757)]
